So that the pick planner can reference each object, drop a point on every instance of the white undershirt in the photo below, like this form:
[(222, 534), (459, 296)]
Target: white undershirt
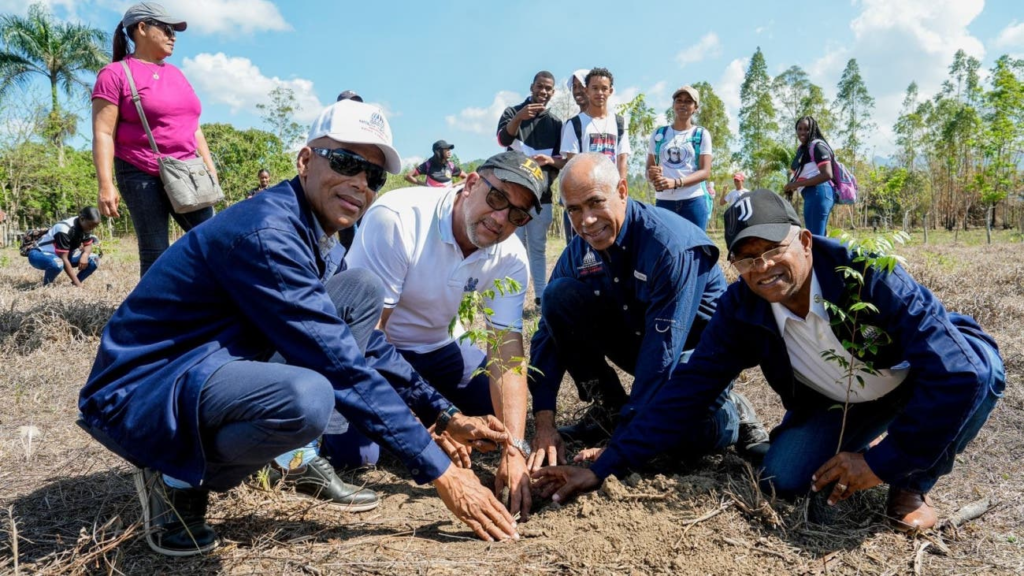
[(807, 338)]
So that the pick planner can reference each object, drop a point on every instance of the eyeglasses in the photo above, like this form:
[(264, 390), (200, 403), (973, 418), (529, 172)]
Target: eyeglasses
[(747, 264), (350, 164), (167, 28), (498, 200)]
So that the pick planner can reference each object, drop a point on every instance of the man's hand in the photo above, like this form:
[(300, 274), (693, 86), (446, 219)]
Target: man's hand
[(588, 455), (529, 111), (512, 469), (459, 453), (547, 445), (564, 481), (462, 493), (83, 262), (543, 160), (485, 433), (849, 471)]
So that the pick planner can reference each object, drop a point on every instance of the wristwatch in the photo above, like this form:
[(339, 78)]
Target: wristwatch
[(523, 446), (444, 418)]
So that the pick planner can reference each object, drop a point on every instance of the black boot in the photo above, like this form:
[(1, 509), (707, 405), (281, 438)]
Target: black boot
[(174, 518), (320, 481), (753, 438), (596, 425)]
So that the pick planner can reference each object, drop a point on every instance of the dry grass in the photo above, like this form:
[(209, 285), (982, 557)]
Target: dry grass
[(68, 507)]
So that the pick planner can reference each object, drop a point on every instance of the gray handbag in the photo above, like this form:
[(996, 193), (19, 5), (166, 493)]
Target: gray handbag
[(189, 184)]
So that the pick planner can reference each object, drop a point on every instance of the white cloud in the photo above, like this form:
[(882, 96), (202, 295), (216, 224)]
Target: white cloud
[(229, 17), (1011, 37), (483, 120), (728, 89), (237, 82), (766, 28), (411, 161), (707, 46), (896, 43)]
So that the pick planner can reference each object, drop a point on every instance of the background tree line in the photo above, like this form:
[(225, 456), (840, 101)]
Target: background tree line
[(958, 158)]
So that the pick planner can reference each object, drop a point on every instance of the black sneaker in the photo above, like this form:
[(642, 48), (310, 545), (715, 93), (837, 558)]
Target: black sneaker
[(174, 519), (753, 438), (320, 481), (536, 302), (596, 425)]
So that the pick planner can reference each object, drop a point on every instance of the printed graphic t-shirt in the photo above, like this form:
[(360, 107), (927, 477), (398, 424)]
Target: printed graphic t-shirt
[(678, 160), (439, 174), (599, 135)]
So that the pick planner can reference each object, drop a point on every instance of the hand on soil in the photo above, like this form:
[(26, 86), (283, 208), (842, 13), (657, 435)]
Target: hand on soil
[(513, 467), (463, 494), (588, 455), (547, 445), (849, 471), (564, 481)]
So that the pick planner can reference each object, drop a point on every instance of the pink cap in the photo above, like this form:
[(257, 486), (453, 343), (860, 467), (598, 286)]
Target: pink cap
[(739, 176)]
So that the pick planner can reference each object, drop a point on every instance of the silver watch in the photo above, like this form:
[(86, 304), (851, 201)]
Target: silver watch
[(523, 446)]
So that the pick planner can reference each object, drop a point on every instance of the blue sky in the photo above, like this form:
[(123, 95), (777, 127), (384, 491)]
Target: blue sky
[(446, 69)]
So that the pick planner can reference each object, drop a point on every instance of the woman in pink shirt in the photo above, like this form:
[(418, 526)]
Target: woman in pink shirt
[(120, 147)]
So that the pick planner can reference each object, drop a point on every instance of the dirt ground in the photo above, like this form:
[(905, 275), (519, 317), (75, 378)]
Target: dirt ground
[(67, 506)]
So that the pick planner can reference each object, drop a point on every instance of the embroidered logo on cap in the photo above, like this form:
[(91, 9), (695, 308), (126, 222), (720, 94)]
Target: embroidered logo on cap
[(533, 168)]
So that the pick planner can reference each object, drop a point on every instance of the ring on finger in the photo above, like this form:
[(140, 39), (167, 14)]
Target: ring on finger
[(842, 487)]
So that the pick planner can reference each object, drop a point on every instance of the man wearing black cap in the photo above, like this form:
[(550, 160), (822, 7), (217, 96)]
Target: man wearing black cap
[(439, 169), (935, 376), (432, 247)]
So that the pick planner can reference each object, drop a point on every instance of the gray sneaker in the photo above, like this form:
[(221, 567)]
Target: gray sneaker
[(174, 519), (753, 438), (320, 481)]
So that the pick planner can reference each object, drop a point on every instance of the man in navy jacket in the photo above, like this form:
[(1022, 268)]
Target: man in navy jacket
[(181, 385), (637, 285), (937, 374)]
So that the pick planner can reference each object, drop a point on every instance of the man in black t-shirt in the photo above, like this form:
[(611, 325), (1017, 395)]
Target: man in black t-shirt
[(531, 129)]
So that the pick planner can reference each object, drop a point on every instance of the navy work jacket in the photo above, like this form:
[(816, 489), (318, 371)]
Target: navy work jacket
[(948, 372), (661, 274), (240, 286)]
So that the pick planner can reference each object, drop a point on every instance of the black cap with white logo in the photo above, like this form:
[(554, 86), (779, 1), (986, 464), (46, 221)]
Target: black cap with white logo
[(759, 214)]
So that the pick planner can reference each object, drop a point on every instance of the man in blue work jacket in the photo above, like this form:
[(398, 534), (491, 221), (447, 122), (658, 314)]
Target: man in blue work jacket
[(637, 285), (935, 376), (181, 385)]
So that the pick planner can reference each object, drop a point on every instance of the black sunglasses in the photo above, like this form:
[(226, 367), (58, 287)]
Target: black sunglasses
[(350, 164), (498, 200), (167, 28)]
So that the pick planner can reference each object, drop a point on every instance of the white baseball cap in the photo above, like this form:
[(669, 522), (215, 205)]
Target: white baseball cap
[(352, 122)]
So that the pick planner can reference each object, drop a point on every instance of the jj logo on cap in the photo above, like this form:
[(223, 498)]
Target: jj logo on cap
[(746, 209)]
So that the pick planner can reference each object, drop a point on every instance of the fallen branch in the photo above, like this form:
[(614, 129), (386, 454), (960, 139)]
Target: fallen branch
[(691, 523), (969, 512)]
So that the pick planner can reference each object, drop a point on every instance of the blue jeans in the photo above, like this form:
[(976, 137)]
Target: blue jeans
[(149, 208), (587, 330), (535, 238), (52, 265), (818, 202), (807, 439), (695, 210), (443, 369), (251, 412)]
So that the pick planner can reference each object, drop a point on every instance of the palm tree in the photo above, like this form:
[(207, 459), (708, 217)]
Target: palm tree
[(60, 51)]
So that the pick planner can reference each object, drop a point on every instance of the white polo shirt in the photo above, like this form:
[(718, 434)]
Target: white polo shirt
[(406, 238), (807, 338)]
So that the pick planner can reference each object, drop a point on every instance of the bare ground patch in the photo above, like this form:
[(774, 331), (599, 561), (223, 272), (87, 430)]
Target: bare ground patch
[(68, 506)]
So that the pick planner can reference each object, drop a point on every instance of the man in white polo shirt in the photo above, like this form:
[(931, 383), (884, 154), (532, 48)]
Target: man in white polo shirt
[(432, 247)]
